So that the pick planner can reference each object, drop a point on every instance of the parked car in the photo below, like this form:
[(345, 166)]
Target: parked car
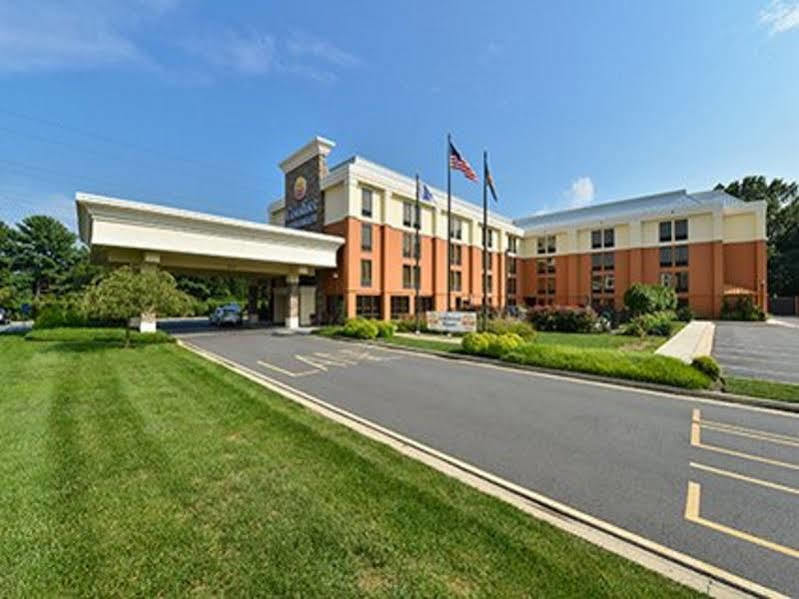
[(227, 315), (5, 317)]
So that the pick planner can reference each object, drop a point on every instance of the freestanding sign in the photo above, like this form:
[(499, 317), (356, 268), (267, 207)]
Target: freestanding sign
[(452, 322)]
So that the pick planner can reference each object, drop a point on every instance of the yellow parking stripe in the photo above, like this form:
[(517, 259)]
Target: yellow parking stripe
[(692, 500), (742, 477)]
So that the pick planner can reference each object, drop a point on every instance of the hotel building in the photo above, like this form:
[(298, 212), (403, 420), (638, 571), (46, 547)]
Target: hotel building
[(707, 245)]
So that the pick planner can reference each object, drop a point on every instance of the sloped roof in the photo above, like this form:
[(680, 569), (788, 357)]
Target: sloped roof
[(662, 203)]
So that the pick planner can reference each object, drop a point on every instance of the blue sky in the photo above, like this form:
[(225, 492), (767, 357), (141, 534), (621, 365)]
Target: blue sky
[(192, 104)]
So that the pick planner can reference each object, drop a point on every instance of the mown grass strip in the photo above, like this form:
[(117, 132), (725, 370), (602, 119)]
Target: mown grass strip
[(762, 388), (149, 471)]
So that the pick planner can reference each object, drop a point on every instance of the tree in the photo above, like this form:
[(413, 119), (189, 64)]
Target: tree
[(782, 227), (126, 293), (44, 249)]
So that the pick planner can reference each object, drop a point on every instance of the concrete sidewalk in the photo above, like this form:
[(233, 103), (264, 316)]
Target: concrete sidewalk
[(695, 339)]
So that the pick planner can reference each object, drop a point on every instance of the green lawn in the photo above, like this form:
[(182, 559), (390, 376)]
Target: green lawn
[(149, 471), (762, 388)]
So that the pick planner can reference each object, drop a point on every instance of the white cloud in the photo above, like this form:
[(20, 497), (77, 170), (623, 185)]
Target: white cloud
[(780, 16), (581, 192), (245, 54), (301, 45)]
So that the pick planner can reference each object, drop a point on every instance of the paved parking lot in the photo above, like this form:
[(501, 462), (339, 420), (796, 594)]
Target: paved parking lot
[(758, 350), (715, 481)]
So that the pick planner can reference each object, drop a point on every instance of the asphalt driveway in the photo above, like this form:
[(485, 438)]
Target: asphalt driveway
[(758, 350), (715, 481)]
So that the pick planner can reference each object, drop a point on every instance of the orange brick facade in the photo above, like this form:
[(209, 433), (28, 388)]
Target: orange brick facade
[(567, 279)]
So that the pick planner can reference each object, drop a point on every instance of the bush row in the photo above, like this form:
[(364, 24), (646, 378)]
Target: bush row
[(656, 323), (742, 308), (490, 344), (361, 328), (565, 319)]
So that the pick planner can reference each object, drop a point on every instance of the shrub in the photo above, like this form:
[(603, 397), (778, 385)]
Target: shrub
[(658, 323), (637, 366), (564, 319), (408, 325), (685, 313), (500, 326), (385, 329), (476, 343), (54, 316), (501, 345), (360, 328), (741, 308), (708, 366), (647, 299)]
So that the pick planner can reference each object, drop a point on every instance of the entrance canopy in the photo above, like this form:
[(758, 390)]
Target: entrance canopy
[(124, 232)]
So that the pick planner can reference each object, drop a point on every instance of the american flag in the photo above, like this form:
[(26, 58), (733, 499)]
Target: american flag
[(459, 163)]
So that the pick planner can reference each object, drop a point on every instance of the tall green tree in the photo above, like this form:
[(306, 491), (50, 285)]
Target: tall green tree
[(44, 249), (782, 227)]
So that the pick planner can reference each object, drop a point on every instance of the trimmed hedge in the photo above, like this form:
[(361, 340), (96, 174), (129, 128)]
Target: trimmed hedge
[(636, 366), (657, 323), (359, 328), (564, 319), (490, 344), (500, 326), (707, 365), (97, 335)]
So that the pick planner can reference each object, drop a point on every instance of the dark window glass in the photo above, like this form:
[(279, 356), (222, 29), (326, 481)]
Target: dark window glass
[(551, 244), (665, 256), (409, 275), (455, 280), (665, 231), (681, 255), (511, 286), (366, 273), (542, 286), (610, 283), (596, 239), (366, 237), (455, 253), (609, 260), (551, 286), (681, 285), (400, 306), (541, 266), (551, 266), (666, 279), (366, 202), (596, 284), (368, 306), (609, 238), (512, 266), (681, 230), (408, 214), (541, 245), (596, 261)]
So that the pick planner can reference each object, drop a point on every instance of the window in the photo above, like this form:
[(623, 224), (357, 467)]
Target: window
[(489, 263), (366, 273), (596, 284), (541, 266), (551, 286), (489, 284), (681, 229), (455, 254), (410, 275), (542, 286), (665, 231), (610, 283), (457, 228), (681, 285), (596, 239), (410, 249), (609, 238), (609, 260), (409, 214), (666, 279), (425, 304), (490, 238), (512, 266), (366, 237), (551, 266), (455, 280), (541, 245), (666, 256), (596, 261), (366, 202), (368, 306), (681, 255), (513, 244), (511, 286), (400, 306), (550, 244)]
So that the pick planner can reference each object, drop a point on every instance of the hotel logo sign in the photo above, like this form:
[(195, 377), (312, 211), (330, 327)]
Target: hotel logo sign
[(300, 188)]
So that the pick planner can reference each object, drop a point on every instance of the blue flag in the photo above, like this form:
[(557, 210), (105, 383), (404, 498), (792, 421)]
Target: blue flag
[(426, 195)]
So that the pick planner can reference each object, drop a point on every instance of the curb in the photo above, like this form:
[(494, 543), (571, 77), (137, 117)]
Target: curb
[(596, 378), (667, 562)]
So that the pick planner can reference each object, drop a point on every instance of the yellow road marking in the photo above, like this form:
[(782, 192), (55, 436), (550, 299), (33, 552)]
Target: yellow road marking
[(695, 430), (286, 372), (733, 429), (748, 479), (692, 500)]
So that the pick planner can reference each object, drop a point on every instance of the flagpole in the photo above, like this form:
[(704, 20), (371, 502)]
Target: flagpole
[(417, 250), (485, 239), (449, 224)]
